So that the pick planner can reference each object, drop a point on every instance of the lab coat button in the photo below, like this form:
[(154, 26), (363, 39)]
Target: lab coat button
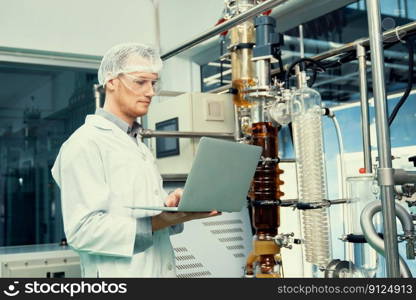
[(170, 267), (156, 192)]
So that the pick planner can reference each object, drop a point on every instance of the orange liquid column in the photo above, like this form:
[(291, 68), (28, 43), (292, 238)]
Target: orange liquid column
[(242, 66)]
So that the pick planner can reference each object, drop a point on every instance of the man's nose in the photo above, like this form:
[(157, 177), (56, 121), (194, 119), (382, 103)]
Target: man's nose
[(150, 89)]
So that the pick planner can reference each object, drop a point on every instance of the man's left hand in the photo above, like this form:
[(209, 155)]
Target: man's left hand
[(173, 198)]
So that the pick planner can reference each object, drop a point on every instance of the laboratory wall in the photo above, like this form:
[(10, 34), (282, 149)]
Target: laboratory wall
[(81, 27)]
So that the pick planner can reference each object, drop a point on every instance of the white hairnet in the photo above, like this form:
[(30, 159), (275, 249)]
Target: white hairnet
[(126, 58)]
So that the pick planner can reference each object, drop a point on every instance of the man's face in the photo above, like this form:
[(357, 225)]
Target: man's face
[(135, 92)]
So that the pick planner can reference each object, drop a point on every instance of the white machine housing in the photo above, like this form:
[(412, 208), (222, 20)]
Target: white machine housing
[(196, 112), (39, 261)]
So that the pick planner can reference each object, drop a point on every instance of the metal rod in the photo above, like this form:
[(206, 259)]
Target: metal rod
[(223, 27), (385, 176), (389, 34), (148, 133), (287, 160), (365, 115)]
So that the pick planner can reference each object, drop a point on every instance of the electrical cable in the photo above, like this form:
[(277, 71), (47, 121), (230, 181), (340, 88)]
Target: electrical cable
[(410, 50), (317, 64)]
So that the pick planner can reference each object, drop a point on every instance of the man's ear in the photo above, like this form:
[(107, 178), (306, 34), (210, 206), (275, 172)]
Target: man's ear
[(112, 85)]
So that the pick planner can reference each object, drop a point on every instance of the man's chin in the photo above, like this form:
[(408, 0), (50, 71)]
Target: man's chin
[(140, 113)]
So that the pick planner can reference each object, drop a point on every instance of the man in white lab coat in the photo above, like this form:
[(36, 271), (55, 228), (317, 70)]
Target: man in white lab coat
[(104, 167)]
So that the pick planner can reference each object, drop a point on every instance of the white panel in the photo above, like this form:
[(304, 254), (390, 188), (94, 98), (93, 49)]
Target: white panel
[(200, 122), (230, 236), (83, 27)]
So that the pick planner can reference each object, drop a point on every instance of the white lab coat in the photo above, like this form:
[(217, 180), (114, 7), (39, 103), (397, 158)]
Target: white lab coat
[(100, 170)]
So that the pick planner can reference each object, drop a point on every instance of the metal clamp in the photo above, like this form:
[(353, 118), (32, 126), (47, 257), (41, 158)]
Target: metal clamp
[(409, 238), (286, 240), (257, 203), (385, 176), (265, 160), (317, 205)]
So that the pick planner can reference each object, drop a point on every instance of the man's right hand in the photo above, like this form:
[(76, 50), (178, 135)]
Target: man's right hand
[(166, 219)]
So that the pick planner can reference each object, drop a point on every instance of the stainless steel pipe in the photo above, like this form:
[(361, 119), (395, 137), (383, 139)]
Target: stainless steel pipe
[(365, 115), (148, 133), (366, 220), (403, 177), (385, 176)]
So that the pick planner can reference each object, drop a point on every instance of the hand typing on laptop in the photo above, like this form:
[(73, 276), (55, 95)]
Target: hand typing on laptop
[(166, 219)]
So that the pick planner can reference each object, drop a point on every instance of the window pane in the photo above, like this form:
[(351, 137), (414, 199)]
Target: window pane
[(39, 108)]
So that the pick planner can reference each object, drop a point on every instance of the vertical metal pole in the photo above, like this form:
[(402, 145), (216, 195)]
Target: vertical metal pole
[(301, 42), (365, 116), (385, 171), (97, 96)]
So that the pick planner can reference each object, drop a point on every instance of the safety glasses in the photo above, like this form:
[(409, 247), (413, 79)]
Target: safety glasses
[(139, 84)]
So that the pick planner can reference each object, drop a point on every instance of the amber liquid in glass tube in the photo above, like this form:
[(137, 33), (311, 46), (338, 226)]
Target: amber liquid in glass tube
[(266, 182)]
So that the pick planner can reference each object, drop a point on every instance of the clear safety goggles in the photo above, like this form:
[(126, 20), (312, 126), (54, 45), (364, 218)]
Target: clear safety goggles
[(139, 84)]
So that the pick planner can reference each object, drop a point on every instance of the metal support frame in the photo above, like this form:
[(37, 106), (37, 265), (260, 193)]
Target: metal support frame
[(365, 116), (383, 138), (387, 35), (406, 29)]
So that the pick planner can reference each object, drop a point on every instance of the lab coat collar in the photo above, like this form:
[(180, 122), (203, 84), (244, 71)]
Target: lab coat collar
[(104, 124), (101, 122)]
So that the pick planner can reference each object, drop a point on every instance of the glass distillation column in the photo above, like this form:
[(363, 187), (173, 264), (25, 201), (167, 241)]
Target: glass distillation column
[(306, 115), (265, 260), (241, 48), (264, 196)]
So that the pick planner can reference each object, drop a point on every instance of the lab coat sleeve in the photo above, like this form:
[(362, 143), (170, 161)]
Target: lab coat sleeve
[(144, 234), (175, 229), (79, 171)]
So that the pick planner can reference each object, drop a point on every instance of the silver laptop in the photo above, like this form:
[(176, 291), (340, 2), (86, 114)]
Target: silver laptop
[(219, 179)]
